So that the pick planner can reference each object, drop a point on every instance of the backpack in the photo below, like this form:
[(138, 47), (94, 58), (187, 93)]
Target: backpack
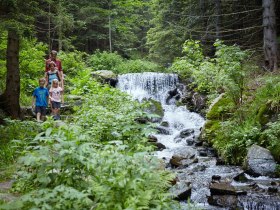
[(50, 73)]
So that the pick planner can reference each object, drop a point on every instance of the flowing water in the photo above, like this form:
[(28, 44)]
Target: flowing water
[(201, 169)]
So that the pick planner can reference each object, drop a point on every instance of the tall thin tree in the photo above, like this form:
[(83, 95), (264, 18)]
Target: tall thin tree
[(269, 34)]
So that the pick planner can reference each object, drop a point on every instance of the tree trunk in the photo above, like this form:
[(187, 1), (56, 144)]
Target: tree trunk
[(9, 101), (270, 37)]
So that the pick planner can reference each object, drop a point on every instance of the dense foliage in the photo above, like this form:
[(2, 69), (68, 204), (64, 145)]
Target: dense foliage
[(100, 159), (247, 112)]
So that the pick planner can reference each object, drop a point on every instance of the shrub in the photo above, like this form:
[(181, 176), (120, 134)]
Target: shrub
[(135, 66), (14, 137), (105, 61), (66, 165)]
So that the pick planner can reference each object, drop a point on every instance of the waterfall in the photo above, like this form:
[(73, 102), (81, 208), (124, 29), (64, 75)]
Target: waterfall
[(178, 131), (156, 86), (147, 85)]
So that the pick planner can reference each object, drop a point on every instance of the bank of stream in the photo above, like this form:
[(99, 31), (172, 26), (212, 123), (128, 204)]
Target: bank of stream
[(201, 176)]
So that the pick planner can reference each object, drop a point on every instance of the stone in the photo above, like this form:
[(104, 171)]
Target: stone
[(272, 189), (202, 152), (159, 146), (186, 132), (181, 191), (226, 201), (163, 130), (260, 162), (223, 188), (152, 138), (154, 107), (216, 177), (106, 76), (164, 124), (183, 157), (198, 143)]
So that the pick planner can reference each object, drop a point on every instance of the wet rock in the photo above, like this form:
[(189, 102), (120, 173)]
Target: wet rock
[(183, 157), (260, 162), (152, 138), (186, 132), (223, 188), (216, 178), (198, 143), (272, 190), (220, 161), (155, 108), (189, 141), (164, 124), (159, 146), (181, 191), (240, 177), (229, 201), (195, 101), (202, 152), (163, 130), (211, 152), (142, 120)]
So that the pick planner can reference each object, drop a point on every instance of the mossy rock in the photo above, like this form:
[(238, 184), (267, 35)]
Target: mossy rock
[(155, 107), (266, 114), (221, 108), (209, 130)]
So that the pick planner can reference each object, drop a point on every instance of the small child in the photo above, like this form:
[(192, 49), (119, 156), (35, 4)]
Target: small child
[(40, 96), (56, 98), (52, 74)]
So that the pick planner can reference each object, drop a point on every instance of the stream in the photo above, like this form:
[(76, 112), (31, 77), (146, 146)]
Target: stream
[(200, 175)]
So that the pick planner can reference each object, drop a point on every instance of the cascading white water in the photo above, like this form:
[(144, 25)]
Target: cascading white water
[(147, 85), (156, 86), (177, 119)]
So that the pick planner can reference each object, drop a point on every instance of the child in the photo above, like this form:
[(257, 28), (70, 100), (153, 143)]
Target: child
[(52, 74), (40, 96), (56, 98)]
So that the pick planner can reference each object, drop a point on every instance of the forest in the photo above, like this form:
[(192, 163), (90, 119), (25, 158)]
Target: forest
[(102, 153)]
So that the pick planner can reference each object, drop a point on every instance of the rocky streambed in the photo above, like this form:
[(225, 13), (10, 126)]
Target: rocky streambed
[(201, 176)]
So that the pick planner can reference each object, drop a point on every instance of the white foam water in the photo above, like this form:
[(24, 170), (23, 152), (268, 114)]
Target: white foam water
[(155, 86)]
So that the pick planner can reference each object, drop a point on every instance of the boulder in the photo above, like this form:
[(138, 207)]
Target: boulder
[(159, 146), (154, 107), (163, 130), (195, 101), (186, 132), (181, 191), (224, 188), (226, 201), (164, 124), (260, 162), (152, 138), (105, 76), (183, 157)]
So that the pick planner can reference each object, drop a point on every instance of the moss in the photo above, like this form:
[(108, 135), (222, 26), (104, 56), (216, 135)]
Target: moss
[(209, 131), (155, 108), (221, 109), (266, 114)]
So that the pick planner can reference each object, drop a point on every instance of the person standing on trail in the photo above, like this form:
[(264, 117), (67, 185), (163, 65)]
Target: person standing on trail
[(53, 58), (53, 74), (40, 100), (56, 98)]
